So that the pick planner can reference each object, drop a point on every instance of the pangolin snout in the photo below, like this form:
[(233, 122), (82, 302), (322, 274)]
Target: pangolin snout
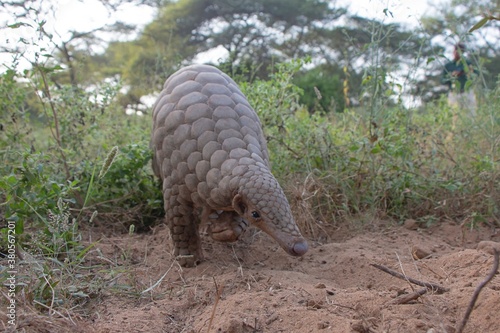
[(299, 248), (294, 245)]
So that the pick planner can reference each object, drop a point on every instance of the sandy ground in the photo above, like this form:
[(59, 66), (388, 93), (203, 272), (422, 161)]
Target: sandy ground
[(253, 286)]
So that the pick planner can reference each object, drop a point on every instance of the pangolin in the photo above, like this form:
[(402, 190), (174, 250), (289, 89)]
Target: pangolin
[(211, 155)]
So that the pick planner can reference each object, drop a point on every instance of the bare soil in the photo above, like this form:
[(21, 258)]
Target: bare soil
[(253, 286)]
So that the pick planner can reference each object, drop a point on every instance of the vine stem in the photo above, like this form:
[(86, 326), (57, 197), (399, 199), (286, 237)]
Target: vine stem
[(57, 134)]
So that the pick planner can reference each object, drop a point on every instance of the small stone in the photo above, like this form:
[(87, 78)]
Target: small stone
[(324, 324), (411, 224), (312, 304), (419, 253), (359, 327), (320, 286)]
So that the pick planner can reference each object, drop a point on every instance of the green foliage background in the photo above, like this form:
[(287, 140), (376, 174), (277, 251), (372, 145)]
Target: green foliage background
[(426, 164)]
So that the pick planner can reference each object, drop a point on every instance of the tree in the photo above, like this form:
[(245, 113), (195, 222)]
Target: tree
[(41, 45), (255, 34)]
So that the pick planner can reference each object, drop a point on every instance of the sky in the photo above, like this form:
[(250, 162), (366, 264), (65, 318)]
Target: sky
[(89, 14), (68, 15), (86, 15), (70, 12), (398, 11), (406, 12)]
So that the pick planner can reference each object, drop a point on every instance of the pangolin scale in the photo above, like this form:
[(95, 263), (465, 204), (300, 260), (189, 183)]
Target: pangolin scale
[(211, 155)]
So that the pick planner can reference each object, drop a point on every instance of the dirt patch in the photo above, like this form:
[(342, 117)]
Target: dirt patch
[(253, 286)]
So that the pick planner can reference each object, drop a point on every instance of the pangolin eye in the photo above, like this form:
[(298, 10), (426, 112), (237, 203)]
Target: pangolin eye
[(255, 215)]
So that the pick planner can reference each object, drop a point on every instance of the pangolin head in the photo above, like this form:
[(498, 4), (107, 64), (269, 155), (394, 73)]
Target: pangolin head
[(262, 202)]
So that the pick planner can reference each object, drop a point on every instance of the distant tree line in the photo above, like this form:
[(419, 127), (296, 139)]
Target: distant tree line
[(346, 51)]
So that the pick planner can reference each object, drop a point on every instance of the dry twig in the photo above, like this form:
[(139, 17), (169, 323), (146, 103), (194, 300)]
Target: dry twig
[(157, 283), (409, 297), (473, 300), (432, 286), (218, 293)]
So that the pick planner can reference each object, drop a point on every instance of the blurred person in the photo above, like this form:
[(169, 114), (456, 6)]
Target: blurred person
[(456, 74)]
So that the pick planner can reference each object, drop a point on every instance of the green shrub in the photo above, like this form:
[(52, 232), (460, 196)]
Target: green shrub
[(125, 187), (52, 146), (33, 195), (401, 162)]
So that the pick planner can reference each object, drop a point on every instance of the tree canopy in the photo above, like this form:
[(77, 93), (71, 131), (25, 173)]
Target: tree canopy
[(346, 51)]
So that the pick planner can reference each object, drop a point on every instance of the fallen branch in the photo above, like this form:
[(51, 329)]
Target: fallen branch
[(432, 286), (473, 300), (409, 297)]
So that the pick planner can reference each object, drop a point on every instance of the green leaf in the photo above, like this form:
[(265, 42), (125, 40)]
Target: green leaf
[(354, 148), (18, 25), (80, 294), (376, 149), (19, 229), (366, 79), (14, 218), (11, 180), (49, 69), (86, 250), (479, 24)]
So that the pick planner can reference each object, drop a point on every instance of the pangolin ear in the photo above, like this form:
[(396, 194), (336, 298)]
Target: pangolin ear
[(238, 205)]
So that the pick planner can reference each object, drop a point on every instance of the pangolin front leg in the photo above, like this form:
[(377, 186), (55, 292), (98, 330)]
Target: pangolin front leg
[(183, 225), (224, 226)]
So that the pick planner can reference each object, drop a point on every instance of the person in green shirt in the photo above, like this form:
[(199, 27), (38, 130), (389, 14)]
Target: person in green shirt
[(456, 73)]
